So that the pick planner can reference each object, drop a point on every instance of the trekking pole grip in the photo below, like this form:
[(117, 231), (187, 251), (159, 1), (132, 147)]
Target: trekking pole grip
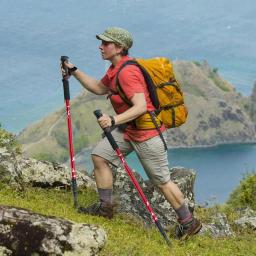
[(65, 78), (107, 132)]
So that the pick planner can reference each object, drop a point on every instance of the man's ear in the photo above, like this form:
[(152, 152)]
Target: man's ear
[(119, 48)]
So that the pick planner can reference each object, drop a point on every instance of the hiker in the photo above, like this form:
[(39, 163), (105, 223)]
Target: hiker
[(114, 47)]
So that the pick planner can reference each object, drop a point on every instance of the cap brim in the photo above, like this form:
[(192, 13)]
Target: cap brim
[(104, 38)]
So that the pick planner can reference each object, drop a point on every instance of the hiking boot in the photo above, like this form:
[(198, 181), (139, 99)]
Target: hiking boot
[(183, 231), (99, 209)]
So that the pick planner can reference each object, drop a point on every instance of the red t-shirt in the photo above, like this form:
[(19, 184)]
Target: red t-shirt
[(132, 81)]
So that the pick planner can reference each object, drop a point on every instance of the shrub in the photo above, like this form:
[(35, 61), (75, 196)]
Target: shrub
[(9, 141), (197, 63), (245, 194)]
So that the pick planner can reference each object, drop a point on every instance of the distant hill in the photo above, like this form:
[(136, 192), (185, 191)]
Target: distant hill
[(217, 115)]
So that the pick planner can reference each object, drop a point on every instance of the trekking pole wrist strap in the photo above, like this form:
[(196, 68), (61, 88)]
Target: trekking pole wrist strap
[(113, 122), (71, 70)]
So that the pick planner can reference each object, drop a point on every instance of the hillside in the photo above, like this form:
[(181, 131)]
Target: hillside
[(217, 114), (38, 218)]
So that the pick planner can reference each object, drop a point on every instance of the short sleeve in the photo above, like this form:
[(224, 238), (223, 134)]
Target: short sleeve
[(131, 81), (105, 80)]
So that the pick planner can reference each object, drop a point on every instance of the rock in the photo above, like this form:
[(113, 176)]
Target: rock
[(218, 228), (247, 220), (25, 233), (129, 200), (4, 251), (15, 169)]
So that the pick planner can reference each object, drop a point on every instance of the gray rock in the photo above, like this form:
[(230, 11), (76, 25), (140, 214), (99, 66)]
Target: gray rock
[(247, 220), (4, 251), (25, 233), (219, 227), (129, 200), (15, 169), (247, 212)]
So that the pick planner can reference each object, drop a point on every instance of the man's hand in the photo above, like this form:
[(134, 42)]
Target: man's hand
[(64, 66), (105, 121)]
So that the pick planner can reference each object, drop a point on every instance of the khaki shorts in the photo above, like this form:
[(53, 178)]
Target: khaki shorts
[(151, 154)]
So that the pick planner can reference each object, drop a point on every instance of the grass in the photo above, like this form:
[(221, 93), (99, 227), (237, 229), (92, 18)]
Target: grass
[(126, 235)]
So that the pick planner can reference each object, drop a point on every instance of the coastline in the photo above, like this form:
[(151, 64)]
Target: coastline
[(196, 146), (212, 145)]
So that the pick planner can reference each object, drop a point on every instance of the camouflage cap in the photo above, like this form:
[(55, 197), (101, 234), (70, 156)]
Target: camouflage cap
[(117, 35)]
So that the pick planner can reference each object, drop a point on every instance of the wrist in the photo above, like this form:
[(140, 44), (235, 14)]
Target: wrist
[(113, 121)]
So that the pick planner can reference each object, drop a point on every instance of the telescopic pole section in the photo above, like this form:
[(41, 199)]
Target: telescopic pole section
[(114, 145), (70, 137)]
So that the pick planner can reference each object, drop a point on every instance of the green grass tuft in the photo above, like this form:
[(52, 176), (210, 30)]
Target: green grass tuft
[(245, 194)]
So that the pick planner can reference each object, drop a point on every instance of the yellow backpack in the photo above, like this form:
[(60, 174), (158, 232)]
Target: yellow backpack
[(165, 94)]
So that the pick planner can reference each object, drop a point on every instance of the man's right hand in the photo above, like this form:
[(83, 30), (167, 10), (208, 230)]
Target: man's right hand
[(64, 66)]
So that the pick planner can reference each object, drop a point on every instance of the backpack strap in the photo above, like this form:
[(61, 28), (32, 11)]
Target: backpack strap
[(150, 84), (153, 118)]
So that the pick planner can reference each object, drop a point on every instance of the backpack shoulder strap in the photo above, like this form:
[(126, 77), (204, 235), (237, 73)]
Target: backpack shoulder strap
[(150, 85), (118, 85)]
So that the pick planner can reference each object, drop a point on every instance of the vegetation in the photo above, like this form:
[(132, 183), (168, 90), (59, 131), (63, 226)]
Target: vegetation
[(245, 194), (222, 84), (197, 63), (126, 235), (9, 141), (52, 144)]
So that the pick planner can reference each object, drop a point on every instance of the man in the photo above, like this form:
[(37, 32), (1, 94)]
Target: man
[(115, 43)]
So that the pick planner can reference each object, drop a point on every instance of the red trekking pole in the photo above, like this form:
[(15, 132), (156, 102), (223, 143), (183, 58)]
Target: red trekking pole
[(70, 138), (114, 145)]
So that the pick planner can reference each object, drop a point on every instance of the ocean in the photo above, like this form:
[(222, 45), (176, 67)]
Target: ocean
[(34, 34)]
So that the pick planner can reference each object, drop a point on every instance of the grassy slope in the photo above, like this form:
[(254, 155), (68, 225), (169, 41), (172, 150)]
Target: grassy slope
[(127, 236), (47, 139)]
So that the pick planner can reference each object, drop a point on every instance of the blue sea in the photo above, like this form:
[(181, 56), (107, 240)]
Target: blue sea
[(34, 34)]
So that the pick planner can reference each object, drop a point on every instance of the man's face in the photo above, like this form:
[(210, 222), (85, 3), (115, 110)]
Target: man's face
[(109, 50)]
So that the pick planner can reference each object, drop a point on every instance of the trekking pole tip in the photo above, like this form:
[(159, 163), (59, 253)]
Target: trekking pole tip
[(158, 224)]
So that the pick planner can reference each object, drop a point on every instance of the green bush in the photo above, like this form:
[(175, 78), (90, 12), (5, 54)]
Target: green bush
[(197, 63), (245, 194), (9, 141), (215, 70)]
